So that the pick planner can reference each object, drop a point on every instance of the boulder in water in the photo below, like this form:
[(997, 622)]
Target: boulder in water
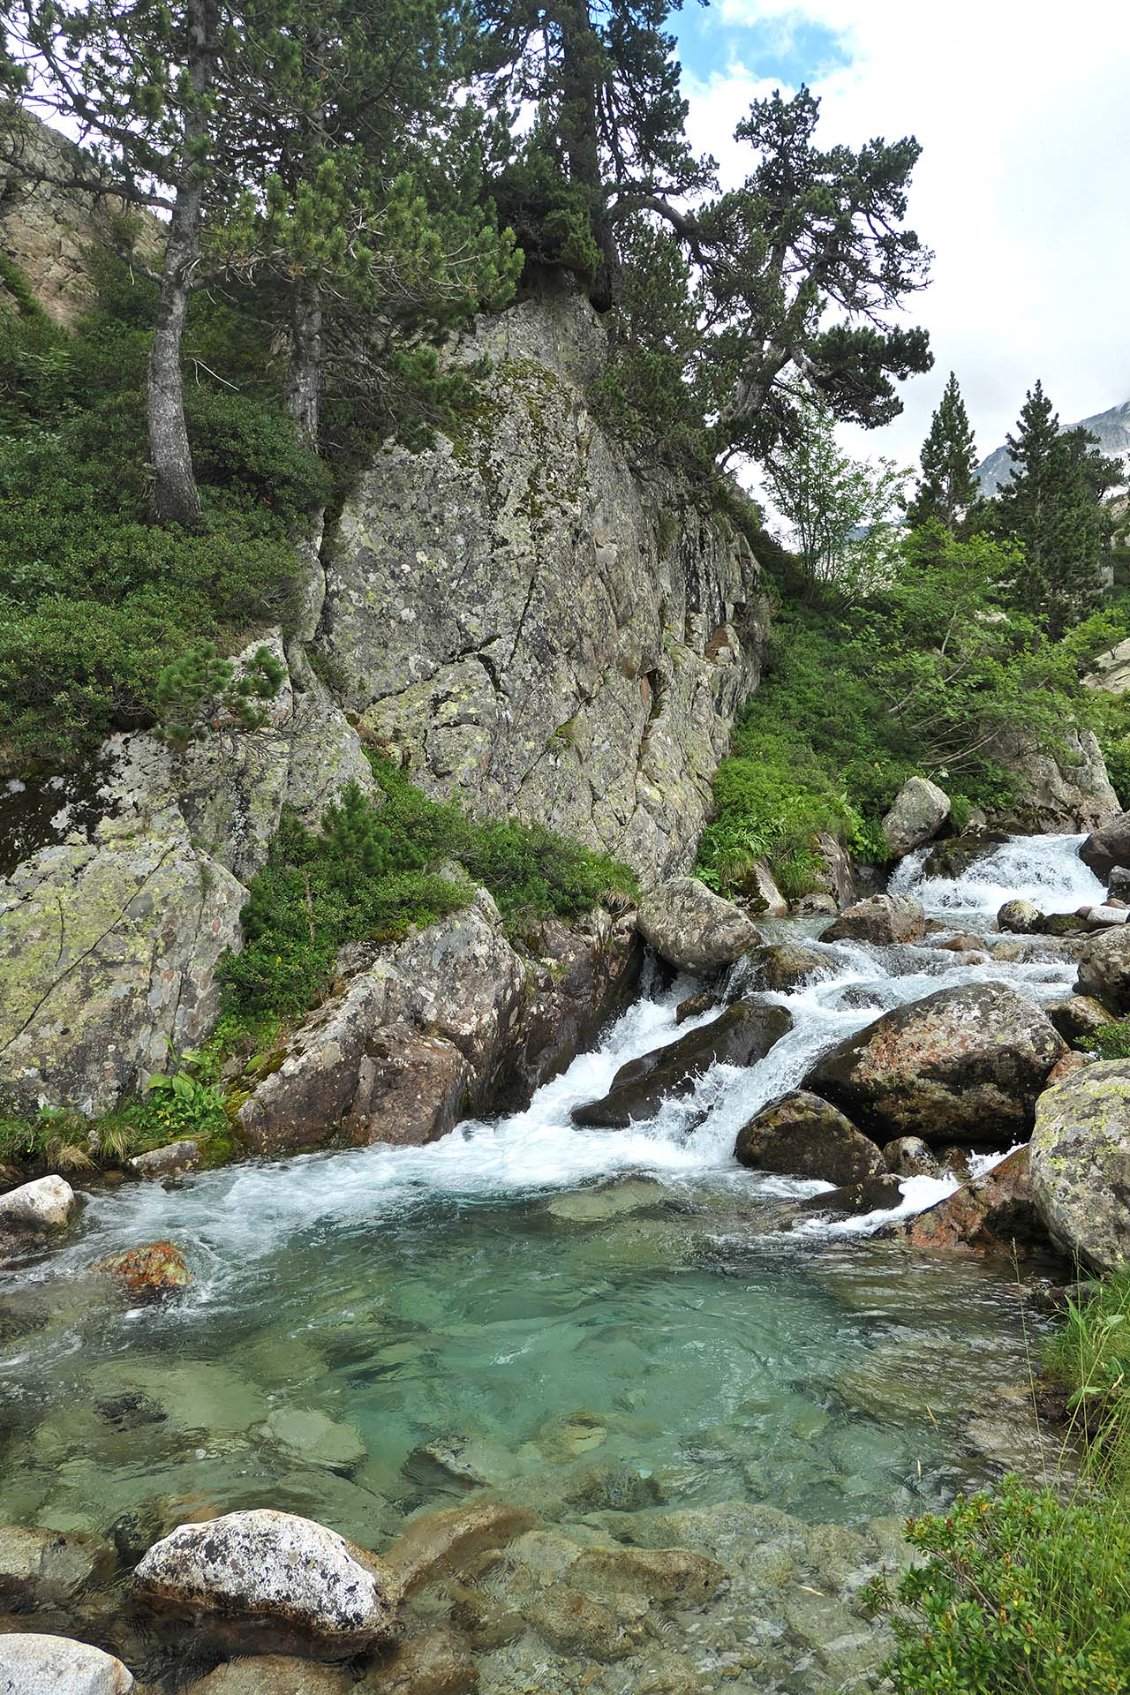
[(1078, 1017), (44, 1568), (1020, 918), (148, 1273), (910, 1156), (742, 1035), (882, 918), (991, 1214), (1080, 1162), (964, 1064), (953, 857), (695, 1005), (435, 1545), (786, 966), (32, 1664), (919, 811), (804, 1136), (174, 1157), (44, 1204), (694, 929), (1108, 847), (274, 1674), (438, 1662), (856, 1200), (273, 1580), (1104, 969)]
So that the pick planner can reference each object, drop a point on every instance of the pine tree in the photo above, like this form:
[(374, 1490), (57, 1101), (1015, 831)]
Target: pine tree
[(948, 484), (1053, 506)]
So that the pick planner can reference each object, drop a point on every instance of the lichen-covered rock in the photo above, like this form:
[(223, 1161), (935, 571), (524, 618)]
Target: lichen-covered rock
[(1108, 848), (1063, 788), (44, 1568), (1020, 918), (265, 1577), (1104, 969), (1080, 1163), (694, 929), (532, 627), (919, 811), (910, 1156), (46, 1203), (807, 1137), (148, 1273), (994, 1214), (108, 953), (741, 1035), (785, 966), (881, 918), (964, 1064), (33, 1664)]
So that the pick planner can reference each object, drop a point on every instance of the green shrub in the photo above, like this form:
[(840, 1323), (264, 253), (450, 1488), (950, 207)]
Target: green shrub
[(374, 871), (1090, 1358), (1109, 1041), (1020, 1594)]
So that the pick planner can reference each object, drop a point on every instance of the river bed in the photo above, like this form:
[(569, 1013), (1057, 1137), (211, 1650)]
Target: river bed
[(612, 1328)]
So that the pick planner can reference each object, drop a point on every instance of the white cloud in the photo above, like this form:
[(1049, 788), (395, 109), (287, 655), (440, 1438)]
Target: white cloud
[(1022, 189)]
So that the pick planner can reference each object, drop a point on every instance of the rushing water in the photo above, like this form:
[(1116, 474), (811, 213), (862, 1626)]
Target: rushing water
[(613, 1327)]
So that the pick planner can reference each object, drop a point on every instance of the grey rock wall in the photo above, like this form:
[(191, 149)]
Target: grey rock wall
[(530, 626)]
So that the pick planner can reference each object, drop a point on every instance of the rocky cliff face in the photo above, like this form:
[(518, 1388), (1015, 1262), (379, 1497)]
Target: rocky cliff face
[(534, 628)]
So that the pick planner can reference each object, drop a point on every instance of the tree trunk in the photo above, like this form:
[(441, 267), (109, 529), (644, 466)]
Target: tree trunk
[(175, 498), (304, 379), (582, 72)]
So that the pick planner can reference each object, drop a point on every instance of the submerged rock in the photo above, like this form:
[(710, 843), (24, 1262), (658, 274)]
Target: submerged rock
[(1080, 1160), (742, 1035), (44, 1204), (315, 1438), (436, 1663), (436, 1544), (882, 918), (31, 1664), (919, 811), (150, 1272), (964, 1064), (694, 929), (44, 1568), (991, 1214), (611, 1200), (807, 1137), (273, 1674), (273, 1579)]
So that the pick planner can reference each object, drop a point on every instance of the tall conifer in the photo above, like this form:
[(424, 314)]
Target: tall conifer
[(948, 484)]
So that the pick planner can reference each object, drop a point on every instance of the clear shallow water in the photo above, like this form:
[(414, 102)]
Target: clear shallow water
[(610, 1327)]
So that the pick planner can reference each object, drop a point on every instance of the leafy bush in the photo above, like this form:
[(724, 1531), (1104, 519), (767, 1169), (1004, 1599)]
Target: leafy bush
[(1109, 1041), (372, 872), (1020, 1594)]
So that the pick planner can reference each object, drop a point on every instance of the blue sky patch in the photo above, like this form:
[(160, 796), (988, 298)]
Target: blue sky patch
[(789, 50)]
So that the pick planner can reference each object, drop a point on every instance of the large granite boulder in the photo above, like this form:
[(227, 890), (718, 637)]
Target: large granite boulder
[(1104, 969), (272, 1580), (1108, 847), (1061, 788), (449, 1022), (804, 1136), (882, 919), (532, 627), (919, 811), (1080, 1158), (994, 1214), (108, 951), (33, 1664), (694, 929), (741, 1035), (964, 1064)]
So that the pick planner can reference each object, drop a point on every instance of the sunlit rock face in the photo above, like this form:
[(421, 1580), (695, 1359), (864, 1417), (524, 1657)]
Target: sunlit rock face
[(533, 626)]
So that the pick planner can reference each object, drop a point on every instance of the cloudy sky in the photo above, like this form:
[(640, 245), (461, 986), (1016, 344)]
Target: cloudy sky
[(1022, 191)]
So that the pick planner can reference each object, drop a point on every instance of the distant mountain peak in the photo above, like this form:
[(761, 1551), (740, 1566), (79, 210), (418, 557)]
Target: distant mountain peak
[(1112, 428)]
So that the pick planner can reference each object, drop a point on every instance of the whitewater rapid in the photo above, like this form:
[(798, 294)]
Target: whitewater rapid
[(242, 1213)]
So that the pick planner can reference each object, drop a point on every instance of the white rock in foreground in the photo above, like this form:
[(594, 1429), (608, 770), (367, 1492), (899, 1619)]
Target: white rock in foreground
[(45, 1204), (33, 1665), (286, 1575)]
